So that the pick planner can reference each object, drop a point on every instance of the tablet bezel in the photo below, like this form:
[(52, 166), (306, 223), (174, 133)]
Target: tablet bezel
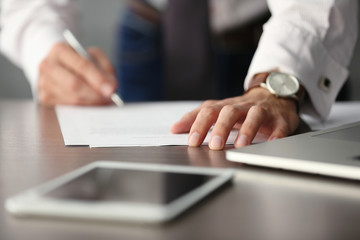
[(33, 201)]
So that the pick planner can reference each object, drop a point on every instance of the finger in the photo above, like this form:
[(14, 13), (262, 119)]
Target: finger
[(185, 123), (281, 130), (228, 117), (102, 60), (46, 86), (67, 88), (203, 122), (45, 96), (254, 119), (84, 68)]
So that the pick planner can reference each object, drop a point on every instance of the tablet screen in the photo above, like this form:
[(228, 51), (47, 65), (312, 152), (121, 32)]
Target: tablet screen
[(109, 184)]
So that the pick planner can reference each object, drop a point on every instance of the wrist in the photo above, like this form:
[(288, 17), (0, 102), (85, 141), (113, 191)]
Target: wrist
[(281, 85), (263, 96)]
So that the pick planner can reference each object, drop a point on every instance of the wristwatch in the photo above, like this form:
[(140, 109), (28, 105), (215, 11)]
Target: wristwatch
[(280, 84)]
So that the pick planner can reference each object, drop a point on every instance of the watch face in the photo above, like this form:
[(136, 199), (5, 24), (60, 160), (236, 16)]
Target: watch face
[(282, 84)]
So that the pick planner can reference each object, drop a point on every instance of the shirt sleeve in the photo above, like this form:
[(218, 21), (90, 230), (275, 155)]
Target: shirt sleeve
[(30, 28), (312, 40)]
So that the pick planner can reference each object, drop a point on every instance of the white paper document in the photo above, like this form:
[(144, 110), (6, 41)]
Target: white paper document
[(135, 124), (148, 124), (341, 113)]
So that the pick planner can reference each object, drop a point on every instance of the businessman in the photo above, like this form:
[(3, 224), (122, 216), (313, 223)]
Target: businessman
[(307, 43)]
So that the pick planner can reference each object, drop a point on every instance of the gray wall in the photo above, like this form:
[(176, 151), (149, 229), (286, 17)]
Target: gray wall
[(98, 23)]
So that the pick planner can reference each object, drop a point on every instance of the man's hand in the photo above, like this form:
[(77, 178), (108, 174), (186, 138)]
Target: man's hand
[(67, 78), (256, 111)]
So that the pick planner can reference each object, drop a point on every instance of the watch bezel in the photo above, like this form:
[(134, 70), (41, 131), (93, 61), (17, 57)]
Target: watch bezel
[(289, 77)]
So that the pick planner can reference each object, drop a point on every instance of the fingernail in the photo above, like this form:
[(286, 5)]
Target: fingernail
[(106, 89), (216, 143), (273, 138), (242, 141), (194, 139)]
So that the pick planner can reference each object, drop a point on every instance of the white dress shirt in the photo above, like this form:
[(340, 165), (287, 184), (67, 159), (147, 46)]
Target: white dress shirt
[(29, 29), (226, 14), (312, 40)]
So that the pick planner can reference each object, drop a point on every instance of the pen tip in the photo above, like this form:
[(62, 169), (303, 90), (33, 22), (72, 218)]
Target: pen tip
[(117, 100)]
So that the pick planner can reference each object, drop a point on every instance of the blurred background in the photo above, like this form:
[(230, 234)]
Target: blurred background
[(99, 21), (98, 24)]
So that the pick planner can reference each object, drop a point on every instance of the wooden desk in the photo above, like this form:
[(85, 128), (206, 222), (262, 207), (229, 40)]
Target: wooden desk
[(260, 204)]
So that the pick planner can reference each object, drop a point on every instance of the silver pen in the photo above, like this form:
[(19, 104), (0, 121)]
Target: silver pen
[(75, 44)]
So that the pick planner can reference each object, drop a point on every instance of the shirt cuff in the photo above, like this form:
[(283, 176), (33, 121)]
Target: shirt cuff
[(36, 48), (290, 49)]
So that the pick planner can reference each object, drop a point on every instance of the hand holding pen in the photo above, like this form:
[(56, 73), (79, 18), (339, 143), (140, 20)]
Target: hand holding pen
[(67, 76)]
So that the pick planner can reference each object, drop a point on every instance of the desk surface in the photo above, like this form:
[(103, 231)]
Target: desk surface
[(260, 204)]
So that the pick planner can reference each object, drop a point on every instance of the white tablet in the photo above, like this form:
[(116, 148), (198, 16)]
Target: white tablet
[(120, 191)]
